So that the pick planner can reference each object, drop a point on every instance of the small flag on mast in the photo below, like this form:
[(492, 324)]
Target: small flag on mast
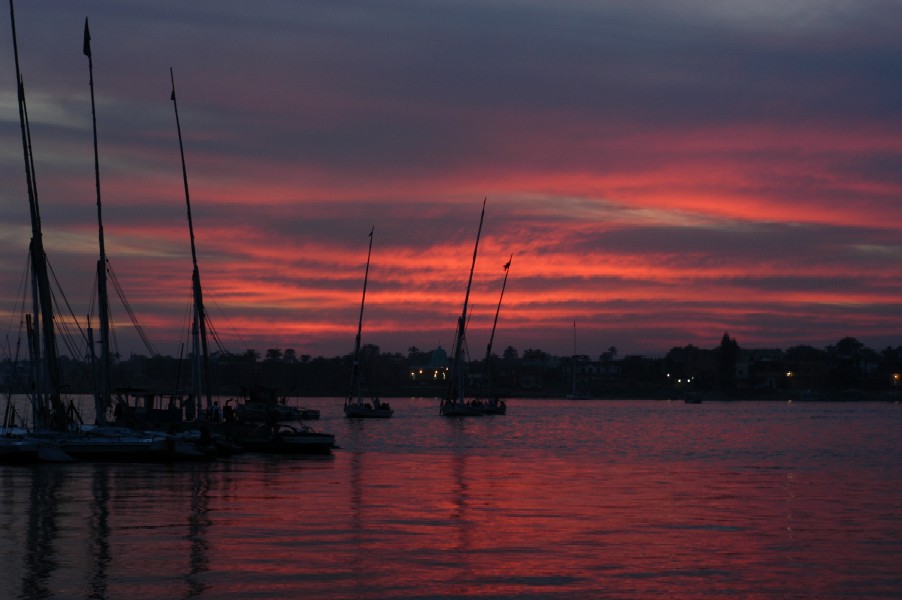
[(87, 48)]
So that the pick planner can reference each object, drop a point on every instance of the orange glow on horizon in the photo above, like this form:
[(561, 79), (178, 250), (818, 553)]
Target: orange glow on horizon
[(650, 201)]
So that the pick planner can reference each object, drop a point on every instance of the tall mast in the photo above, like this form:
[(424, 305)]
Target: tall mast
[(102, 397), (574, 338), (488, 349), (48, 380), (573, 360), (199, 329), (355, 377), (458, 374)]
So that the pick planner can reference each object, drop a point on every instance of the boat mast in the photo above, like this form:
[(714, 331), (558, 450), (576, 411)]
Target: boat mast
[(355, 376), (199, 329), (458, 375), (102, 396), (573, 361), (488, 349), (48, 381)]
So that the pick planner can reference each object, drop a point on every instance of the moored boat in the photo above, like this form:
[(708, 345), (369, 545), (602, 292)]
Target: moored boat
[(374, 409), (281, 438), (18, 450), (495, 405), (264, 404), (118, 444), (57, 433), (260, 421), (261, 412), (461, 408), (455, 403), (355, 407)]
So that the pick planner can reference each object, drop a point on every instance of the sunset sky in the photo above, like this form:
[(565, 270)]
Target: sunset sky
[(661, 172)]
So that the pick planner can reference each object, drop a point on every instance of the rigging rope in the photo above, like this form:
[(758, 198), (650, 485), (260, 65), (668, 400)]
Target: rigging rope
[(214, 334), (62, 322), (235, 332), (65, 331), (131, 314), (21, 297)]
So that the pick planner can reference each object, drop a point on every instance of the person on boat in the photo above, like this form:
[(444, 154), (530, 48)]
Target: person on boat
[(228, 413), (216, 412), (190, 413)]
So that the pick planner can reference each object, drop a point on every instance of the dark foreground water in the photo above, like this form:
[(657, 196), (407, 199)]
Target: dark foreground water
[(558, 499)]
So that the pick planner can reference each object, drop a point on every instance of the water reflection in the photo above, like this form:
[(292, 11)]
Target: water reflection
[(41, 532), (368, 562), (103, 531), (99, 530), (199, 523), (461, 521), (360, 554), (659, 502)]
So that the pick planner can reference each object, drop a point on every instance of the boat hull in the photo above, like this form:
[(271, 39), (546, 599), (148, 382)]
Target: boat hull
[(126, 450), (367, 411), (18, 451), (282, 439), (473, 408), (456, 409), (263, 413), (116, 444)]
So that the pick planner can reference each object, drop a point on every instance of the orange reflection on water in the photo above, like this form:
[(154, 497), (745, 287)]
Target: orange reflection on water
[(556, 500)]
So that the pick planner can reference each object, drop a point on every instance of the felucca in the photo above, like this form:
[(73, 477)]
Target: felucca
[(271, 435), (494, 405), (455, 404), (355, 407), (57, 427)]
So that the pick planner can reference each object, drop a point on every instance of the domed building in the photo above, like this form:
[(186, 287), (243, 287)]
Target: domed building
[(435, 372)]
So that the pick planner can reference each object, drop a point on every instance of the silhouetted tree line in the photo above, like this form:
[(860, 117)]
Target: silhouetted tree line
[(846, 369)]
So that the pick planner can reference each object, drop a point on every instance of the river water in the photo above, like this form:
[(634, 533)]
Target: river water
[(558, 499)]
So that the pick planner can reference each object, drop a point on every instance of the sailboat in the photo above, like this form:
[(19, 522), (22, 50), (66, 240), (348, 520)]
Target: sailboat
[(58, 430), (575, 395), (355, 407), (454, 404), (17, 448), (271, 435), (493, 404), (48, 410), (15, 445), (201, 365), (106, 441)]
